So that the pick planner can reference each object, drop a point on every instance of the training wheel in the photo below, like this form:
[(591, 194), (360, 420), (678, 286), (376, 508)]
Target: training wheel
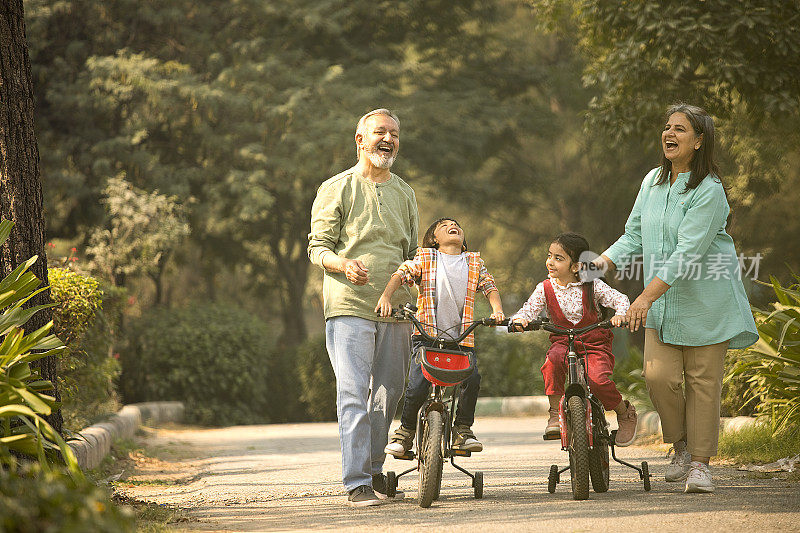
[(646, 475), (477, 484), (391, 484), (552, 479)]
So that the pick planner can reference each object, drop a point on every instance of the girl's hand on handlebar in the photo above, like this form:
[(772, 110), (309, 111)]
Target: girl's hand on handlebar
[(619, 320), (498, 316), (518, 324), (384, 307)]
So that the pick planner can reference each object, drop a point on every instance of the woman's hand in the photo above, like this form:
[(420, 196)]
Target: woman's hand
[(518, 324), (637, 312), (619, 320), (384, 307)]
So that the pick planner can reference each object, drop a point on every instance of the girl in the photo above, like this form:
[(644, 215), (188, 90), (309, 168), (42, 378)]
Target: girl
[(571, 303), (449, 276)]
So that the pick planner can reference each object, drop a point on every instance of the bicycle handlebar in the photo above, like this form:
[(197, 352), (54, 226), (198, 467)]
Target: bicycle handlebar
[(553, 328), (407, 311)]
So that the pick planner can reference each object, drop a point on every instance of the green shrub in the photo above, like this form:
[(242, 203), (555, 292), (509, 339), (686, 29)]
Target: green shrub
[(628, 378), (88, 318), (24, 395), (219, 360), (317, 380), (509, 363), (771, 367), (35, 500), (736, 400)]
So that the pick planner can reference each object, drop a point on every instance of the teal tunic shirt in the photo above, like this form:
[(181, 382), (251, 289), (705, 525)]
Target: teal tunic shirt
[(681, 238)]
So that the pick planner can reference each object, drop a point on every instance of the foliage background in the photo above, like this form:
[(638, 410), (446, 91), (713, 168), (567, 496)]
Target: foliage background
[(182, 142)]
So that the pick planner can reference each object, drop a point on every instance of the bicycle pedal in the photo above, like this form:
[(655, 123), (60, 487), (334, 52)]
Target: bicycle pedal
[(460, 453), (552, 436), (408, 456)]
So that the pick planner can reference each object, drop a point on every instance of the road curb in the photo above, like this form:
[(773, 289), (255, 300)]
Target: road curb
[(649, 422), (94, 442)]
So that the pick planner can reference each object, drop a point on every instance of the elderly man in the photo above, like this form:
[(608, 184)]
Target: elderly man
[(364, 224)]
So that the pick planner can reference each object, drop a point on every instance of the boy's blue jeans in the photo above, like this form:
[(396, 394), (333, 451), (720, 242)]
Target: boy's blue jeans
[(419, 388)]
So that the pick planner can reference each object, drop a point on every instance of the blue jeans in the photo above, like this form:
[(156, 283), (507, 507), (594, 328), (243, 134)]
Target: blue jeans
[(370, 360), (419, 388)]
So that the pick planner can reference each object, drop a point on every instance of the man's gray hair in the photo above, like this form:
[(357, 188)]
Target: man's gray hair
[(362, 122)]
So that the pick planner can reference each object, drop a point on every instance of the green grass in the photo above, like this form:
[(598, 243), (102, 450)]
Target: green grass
[(756, 444)]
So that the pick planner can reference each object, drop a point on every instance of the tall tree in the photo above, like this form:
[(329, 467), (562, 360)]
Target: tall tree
[(20, 184), (739, 59)]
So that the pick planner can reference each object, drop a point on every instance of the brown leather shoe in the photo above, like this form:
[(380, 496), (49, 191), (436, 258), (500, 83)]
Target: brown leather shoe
[(553, 427), (627, 426)]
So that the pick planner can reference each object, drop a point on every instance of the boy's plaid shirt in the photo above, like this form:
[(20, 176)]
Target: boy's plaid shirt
[(478, 278)]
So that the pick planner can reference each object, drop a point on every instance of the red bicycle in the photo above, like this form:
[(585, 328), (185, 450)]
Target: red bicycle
[(584, 429)]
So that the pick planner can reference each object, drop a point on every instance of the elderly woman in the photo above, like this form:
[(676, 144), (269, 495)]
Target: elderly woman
[(693, 306)]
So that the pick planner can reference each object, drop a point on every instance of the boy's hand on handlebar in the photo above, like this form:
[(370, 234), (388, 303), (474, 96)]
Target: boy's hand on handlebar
[(619, 321), (497, 316), (384, 307)]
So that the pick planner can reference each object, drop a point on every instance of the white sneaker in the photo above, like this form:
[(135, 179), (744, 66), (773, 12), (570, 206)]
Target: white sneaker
[(678, 469), (699, 478)]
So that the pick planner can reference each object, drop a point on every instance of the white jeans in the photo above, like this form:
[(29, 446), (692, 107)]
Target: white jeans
[(370, 360)]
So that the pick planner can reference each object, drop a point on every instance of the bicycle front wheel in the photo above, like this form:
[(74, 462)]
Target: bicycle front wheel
[(578, 448), (431, 460)]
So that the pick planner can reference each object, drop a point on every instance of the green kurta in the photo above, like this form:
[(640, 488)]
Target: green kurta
[(359, 219), (681, 238)]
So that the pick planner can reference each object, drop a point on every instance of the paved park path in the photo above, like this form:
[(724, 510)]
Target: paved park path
[(286, 477)]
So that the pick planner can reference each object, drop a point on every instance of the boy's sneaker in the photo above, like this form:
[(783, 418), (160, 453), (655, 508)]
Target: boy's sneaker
[(553, 428), (362, 496), (464, 439), (379, 483), (401, 441), (678, 468), (699, 478), (626, 424)]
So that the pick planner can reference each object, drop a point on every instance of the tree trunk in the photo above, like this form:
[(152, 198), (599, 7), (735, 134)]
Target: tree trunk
[(20, 184)]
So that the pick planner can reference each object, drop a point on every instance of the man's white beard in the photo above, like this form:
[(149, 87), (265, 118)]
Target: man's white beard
[(380, 159)]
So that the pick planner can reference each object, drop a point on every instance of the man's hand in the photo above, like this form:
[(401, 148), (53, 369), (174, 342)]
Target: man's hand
[(619, 320), (356, 272), (384, 307), (498, 316), (518, 324)]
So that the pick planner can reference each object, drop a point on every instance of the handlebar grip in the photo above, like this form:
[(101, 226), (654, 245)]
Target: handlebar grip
[(533, 325)]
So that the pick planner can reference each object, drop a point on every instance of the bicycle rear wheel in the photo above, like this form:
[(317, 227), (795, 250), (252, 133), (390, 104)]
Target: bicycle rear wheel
[(430, 459), (578, 448)]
